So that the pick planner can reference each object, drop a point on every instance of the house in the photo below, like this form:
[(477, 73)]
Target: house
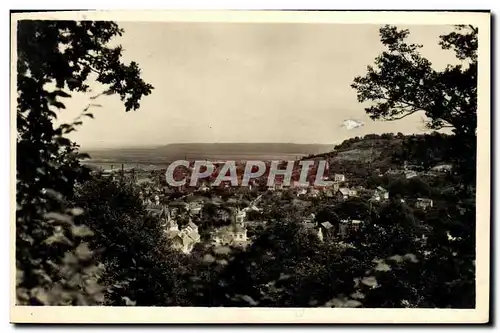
[(240, 216), (254, 224), (328, 193), (343, 228), (195, 207), (301, 192), (204, 187), (442, 168), (394, 172), (355, 225), (159, 211), (410, 174), (223, 214), (171, 227), (155, 201), (327, 228), (345, 193), (234, 234), (185, 239), (251, 208), (313, 193), (313, 229), (180, 205), (423, 203), (380, 194), (347, 226), (339, 178)]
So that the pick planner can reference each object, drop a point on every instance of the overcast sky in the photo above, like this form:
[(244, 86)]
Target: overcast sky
[(243, 82)]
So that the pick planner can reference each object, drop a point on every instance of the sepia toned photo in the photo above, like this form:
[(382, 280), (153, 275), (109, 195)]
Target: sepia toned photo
[(250, 167)]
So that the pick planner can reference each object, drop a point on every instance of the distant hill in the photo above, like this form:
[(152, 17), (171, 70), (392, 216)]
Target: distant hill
[(245, 148), (210, 151)]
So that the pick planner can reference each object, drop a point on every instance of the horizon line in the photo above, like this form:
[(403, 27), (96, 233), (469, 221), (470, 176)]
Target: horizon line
[(194, 143)]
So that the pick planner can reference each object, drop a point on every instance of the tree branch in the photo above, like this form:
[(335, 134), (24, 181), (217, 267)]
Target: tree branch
[(90, 67), (403, 116)]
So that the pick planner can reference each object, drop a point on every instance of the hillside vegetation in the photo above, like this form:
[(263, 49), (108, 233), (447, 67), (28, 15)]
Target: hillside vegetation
[(374, 153)]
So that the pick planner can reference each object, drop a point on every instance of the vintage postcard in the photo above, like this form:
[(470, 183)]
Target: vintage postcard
[(250, 167)]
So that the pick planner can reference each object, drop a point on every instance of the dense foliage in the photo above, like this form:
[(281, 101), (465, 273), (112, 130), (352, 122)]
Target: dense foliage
[(403, 82), (54, 58)]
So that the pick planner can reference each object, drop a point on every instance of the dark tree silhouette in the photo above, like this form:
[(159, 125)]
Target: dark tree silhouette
[(55, 58)]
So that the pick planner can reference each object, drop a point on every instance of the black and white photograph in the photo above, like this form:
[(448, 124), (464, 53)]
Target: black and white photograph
[(323, 164)]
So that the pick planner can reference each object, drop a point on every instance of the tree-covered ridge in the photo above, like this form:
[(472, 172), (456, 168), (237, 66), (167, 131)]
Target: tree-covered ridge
[(387, 150)]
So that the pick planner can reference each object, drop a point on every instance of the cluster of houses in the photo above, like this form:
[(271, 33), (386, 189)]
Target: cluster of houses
[(186, 237), (320, 230), (346, 226)]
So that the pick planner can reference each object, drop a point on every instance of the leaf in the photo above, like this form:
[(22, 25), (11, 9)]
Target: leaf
[(335, 303), (284, 276), (83, 252), (63, 141), (352, 304), (128, 301), (58, 238), (208, 258), (382, 267), (396, 258), (77, 211), (83, 156), (411, 257), (369, 281), (90, 115), (61, 93), (222, 250), (70, 259), (81, 231), (93, 287), (249, 300), (358, 295), (22, 295), (222, 262), (19, 276), (57, 104), (52, 194), (40, 171), (41, 295), (59, 217)]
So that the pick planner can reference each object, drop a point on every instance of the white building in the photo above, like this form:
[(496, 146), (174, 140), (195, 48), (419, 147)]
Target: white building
[(410, 174), (234, 234), (345, 193), (380, 194), (347, 225), (195, 208), (424, 203), (185, 239), (339, 177), (301, 192)]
